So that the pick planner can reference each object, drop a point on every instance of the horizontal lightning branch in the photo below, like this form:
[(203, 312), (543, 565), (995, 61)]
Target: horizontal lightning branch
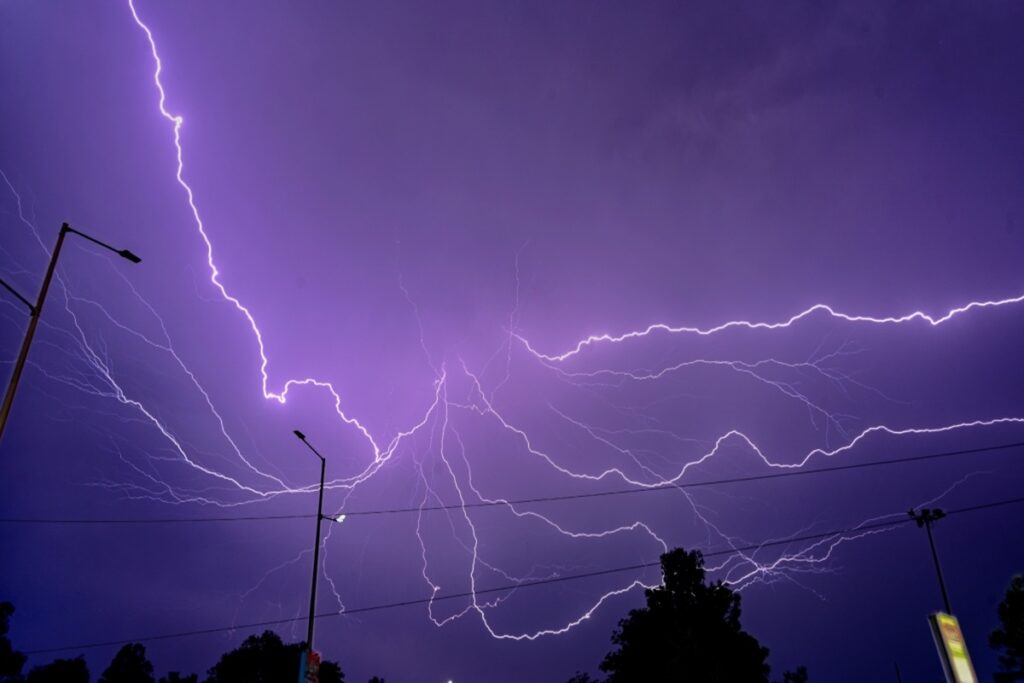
[(916, 316)]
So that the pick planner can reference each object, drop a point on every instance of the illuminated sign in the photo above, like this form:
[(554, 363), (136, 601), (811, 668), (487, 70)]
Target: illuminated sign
[(949, 640)]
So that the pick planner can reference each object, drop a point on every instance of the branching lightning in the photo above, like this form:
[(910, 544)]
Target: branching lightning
[(450, 455)]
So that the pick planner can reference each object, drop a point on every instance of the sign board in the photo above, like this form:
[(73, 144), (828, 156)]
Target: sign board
[(309, 666), (949, 640)]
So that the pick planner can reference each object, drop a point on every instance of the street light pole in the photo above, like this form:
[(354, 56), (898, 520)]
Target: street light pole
[(316, 548), (925, 519), (34, 312)]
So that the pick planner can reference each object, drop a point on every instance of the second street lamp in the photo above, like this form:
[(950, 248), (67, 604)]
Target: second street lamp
[(316, 548), (37, 309)]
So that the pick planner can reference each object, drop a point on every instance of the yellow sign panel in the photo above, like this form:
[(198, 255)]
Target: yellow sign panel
[(949, 639)]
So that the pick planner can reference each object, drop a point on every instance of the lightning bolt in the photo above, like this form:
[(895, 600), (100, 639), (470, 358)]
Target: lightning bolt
[(447, 451), (825, 309), (177, 122)]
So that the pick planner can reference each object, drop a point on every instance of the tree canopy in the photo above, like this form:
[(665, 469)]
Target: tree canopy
[(61, 671), (1008, 639), (689, 631), (798, 676), (10, 661), (129, 665), (267, 659), (330, 672)]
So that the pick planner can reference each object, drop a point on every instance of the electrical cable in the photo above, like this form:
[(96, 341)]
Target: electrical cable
[(524, 584), (526, 501)]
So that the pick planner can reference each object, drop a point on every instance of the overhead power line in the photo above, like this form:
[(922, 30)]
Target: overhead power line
[(147, 520), (525, 501), (903, 521)]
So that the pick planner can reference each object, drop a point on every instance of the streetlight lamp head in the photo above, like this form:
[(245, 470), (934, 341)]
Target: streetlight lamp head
[(340, 518), (299, 434), (124, 253)]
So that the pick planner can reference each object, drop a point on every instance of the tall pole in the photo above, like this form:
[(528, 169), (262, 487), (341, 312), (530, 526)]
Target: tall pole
[(316, 557), (33, 322), (316, 547), (925, 519), (35, 311), (938, 568)]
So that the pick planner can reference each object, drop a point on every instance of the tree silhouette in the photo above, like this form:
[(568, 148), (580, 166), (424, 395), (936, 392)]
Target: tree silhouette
[(330, 672), (129, 666), (60, 671), (175, 677), (10, 661), (376, 679), (689, 631), (798, 676), (581, 677), (266, 659), (260, 659), (1008, 639)]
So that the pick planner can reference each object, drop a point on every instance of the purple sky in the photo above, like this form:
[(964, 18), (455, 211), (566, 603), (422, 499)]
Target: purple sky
[(421, 205)]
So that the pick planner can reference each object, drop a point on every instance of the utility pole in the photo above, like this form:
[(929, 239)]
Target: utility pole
[(946, 631), (926, 518), (316, 548), (34, 311)]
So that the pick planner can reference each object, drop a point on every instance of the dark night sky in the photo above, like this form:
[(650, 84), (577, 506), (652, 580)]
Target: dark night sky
[(408, 198)]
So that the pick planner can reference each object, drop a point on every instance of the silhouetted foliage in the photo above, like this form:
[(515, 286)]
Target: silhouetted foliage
[(376, 679), (61, 671), (175, 677), (10, 661), (266, 659), (689, 631), (1008, 639), (129, 665), (330, 672), (798, 676), (582, 678), (260, 659)]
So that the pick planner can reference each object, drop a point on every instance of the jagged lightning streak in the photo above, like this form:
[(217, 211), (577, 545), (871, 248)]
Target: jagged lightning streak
[(593, 339), (815, 365), (177, 121), (732, 435), (765, 572), (484, 406), (167, 347)]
